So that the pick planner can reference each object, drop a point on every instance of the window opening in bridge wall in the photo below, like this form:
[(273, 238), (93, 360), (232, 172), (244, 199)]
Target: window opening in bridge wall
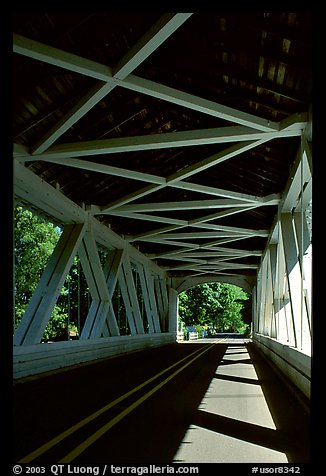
[(284, 322), (35, 239), (49, 286), (69, 314), (120, 311), (161, 296), (140, 296), (31, 253), (129, 295), (151, 311)]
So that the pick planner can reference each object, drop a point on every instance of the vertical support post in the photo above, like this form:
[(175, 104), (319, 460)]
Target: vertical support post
[(173, 310), (258, 300), (284, 319), (304, 245), (254, 327), (268, 305), (273, 264), (303, 239), (293, 274), (40, 307), (262, 299)]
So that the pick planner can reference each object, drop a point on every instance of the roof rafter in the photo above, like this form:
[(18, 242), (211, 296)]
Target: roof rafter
[(143, 48), (184, 205), (166, 140), (42, 52), (211, 161), (206, 267), (207, 254), (222, 232)]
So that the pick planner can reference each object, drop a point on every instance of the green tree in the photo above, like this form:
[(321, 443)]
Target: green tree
[(199, 304), (217, 304), (34, 242), (229, 316)]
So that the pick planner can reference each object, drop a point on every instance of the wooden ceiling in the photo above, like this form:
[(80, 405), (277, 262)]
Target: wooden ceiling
[(178, 130)]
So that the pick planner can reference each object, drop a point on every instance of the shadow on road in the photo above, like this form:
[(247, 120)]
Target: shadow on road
[(154, 431)]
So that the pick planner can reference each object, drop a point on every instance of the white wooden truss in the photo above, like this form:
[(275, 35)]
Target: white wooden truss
[(282, 295), (249, 131)]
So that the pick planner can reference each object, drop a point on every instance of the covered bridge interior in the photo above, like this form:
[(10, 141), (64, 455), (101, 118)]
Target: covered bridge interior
[(180, 143)]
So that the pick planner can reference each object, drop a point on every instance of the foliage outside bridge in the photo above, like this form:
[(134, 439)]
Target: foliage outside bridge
[(214, 307)]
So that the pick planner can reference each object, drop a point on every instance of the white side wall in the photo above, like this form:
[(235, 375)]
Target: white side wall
[(282, 308), (36, 359), (295, 365)]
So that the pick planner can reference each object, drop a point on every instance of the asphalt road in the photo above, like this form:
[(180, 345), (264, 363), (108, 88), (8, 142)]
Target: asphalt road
[(210, 400)]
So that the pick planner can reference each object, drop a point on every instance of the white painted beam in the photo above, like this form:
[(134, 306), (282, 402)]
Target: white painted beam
[(156, 35), (183, 205), (126, 300), (56, 57), (45, 53), (155, 179), (66, 60), (223, 252), (101, 308), (211, 268), (131, 289), (305, 256), (143, 192), (184, 246), (106, 169), (229, 229), (220, 231), (218, 192), (195, 103), (274, 285), (215, 159), (152, 298), (299, 175), (294, 276), (144, 47), (20, 150), (156, 141), (154, 218), (294, 121), (204, 164), (147, 303), (203, 235), (196, 222), (86, 103), (36, 191)]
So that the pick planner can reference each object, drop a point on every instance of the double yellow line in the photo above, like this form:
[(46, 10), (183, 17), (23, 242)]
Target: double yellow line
[(95, 436)]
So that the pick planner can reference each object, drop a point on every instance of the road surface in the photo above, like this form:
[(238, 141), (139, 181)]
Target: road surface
[(205, 401)]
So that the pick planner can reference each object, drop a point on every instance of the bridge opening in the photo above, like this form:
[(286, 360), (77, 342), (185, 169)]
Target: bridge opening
[(214, 307)]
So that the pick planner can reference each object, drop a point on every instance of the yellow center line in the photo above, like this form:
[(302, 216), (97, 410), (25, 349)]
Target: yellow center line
[(42, 449), (95, 436)]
